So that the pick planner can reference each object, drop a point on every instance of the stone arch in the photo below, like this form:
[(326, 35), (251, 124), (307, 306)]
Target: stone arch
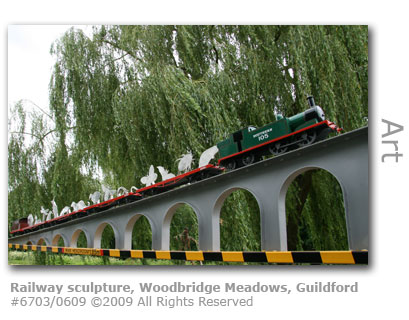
[(290, 178), (76, 235), (225, 194), (216, 218), (100, 229), (129, 229), (282, 212), (42, 242), (168, 219), (56, 240)]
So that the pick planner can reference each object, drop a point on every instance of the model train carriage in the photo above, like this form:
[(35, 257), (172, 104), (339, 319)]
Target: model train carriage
[(19, 224), (248, 145)]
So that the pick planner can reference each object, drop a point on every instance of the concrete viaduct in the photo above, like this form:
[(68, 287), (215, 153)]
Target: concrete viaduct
[(344, 156)]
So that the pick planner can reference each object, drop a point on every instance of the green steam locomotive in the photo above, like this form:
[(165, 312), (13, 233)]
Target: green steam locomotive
[(250, 144)]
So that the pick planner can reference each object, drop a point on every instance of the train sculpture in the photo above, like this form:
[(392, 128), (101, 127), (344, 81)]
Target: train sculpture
[(241, 148)]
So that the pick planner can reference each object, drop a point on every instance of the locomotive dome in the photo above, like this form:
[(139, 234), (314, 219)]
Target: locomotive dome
[(320, 113)]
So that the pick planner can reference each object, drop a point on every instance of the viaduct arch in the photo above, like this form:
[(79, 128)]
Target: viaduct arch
[(344, 156)]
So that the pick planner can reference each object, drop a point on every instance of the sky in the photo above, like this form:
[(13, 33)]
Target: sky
[(30, 62)]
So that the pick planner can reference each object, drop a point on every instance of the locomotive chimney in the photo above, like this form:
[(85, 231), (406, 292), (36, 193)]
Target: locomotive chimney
[(311, 101)]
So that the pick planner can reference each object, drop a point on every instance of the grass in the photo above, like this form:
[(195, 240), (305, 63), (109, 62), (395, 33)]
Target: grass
[(48, 258)]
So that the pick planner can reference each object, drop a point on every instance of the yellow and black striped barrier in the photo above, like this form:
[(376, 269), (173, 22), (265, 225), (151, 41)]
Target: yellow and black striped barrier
[(286, 257)]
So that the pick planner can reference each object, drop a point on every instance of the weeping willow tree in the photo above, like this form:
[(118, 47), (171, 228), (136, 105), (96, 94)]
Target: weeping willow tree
[(127, 97), (25, 190)]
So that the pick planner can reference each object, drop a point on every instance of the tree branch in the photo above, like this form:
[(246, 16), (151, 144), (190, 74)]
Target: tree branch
[(119, 48), (40, 138), (37, 106), (27, 133)]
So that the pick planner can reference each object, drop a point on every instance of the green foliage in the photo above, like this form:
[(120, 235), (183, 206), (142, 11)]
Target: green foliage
[(82, 240), (315, 213), (142, 235), (49, 258), (108, 238), (240, 223), (184, 229), (131, 96)]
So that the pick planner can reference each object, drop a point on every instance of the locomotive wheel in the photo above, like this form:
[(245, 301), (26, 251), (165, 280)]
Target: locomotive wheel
[(323, 134), (308, 138), (248, 159), (231, 165), (276, 148)]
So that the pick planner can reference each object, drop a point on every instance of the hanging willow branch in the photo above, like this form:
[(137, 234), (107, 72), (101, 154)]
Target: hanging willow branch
[(181, 88)]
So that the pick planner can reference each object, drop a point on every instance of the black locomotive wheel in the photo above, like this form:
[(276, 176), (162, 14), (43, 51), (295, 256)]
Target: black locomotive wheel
[(323, 134), (231, 165), (276, 148), (308, 138), (248, 159)]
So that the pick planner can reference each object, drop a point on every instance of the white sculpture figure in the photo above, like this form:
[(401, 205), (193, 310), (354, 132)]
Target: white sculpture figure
[(185, 162), (207, 155), (37, 220), (49, 216), (134, 189), (121, 191), (55, 209), (165, 174), (64, 211), (78, 206), (74, 206), (108, 193), (30, 220), (150, 178), (81, 205), (95, 197), (45, 213)]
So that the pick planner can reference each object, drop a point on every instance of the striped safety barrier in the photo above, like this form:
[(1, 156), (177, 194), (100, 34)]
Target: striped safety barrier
[(286, 257)]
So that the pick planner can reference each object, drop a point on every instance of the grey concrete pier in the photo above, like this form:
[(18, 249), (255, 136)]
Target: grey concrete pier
[(344, 156)]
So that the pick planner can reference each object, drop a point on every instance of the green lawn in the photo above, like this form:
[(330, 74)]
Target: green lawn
[(43, 258), (48, 258)]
